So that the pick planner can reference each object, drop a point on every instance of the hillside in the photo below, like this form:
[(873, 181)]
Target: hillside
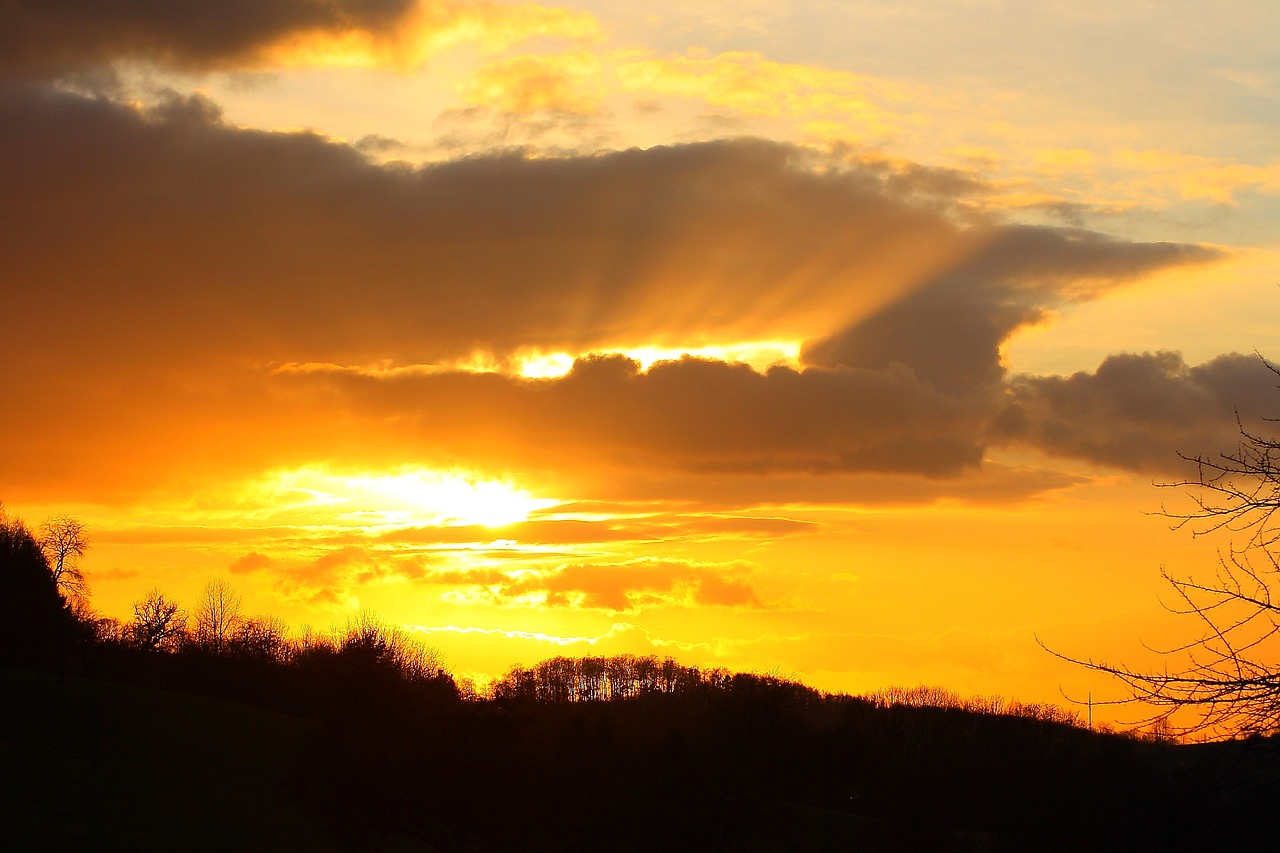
[(112, 766), (768, 766)]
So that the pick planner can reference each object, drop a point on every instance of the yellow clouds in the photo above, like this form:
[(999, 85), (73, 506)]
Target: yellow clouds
[(1161, 172), (429, 29), (563, 83), (625, 586), (753, 85), (498, 25), (639, 95), (1058, 161)]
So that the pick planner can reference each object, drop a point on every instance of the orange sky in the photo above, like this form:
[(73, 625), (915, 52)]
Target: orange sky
[(841, 343)]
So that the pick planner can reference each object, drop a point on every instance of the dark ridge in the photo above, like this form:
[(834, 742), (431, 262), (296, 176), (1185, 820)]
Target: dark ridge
[(220, 732)]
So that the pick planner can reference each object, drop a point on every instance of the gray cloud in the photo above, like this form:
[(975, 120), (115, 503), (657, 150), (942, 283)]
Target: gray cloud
[(190, 235), (691, 414), (1140, 411), (57, 36), (949, 331), (160, 262)]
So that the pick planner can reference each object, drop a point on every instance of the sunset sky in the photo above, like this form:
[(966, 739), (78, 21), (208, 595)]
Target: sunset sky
[(845, 341)]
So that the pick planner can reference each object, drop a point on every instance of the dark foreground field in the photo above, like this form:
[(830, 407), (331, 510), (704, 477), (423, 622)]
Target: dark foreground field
[(761, 766)]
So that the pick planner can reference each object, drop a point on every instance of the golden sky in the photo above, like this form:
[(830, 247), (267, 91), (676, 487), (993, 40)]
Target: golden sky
[(843, 341)]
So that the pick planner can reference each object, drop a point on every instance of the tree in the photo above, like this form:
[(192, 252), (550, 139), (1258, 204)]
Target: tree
[(35, 622), (216, 616), (64, 541), (158, 623), (1229, 675), (263, 638)]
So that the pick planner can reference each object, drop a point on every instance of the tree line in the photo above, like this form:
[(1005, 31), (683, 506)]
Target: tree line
[(46, 598), (617, 753)]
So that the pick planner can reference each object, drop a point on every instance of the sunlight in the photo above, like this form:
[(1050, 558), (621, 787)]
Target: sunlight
[(760, 355), (548, 366), (415, 497)]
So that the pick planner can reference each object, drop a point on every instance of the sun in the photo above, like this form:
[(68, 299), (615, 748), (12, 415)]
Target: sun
[(415, 497)]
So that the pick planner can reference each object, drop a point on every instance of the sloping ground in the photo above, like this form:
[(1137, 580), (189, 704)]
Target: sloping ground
[(95, 765), (100, 766)]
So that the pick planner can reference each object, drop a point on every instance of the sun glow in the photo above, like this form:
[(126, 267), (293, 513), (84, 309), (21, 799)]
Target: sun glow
[(420, 497), (759, 354)]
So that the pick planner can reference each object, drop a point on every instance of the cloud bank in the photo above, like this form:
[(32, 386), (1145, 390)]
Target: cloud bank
[(162, 265)]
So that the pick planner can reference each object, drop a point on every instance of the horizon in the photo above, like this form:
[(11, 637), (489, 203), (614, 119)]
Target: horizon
[(851, 343)]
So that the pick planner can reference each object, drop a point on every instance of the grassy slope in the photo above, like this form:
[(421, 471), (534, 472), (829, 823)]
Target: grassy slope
[(94, 766)]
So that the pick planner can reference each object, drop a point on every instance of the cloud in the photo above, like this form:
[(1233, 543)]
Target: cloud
[(60, 35), (53, 37), (528, 84), (626, 586), (1140, 411), (691, 414), (169, 231), (1161, 172), (188, 233), (748, 83), (949, 330), (251, 562), (163, 263), (993, 484)]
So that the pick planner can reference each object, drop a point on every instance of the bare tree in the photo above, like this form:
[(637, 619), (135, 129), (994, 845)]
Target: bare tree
[(1228, 675), (216, 616), (158, 624), (266, 638), (64, 541)]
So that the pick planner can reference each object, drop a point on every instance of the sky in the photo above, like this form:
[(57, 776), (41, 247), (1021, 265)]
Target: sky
[(849, 342)]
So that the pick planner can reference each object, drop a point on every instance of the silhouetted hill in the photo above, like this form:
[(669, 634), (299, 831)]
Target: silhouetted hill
[(234, 736), (770, 767), (101, 766)]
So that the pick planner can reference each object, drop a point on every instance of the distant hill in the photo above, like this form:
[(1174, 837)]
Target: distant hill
[(770, 766)]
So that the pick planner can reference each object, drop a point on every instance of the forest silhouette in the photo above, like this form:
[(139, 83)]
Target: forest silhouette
[(212, 730)]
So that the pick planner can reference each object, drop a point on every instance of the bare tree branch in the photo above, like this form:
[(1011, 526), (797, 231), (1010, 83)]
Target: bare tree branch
[(1228, 675)]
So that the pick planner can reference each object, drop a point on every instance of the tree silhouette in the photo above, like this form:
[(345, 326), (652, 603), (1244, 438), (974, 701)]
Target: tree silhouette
[(64, 541), (158, 624), (263, 638), (216, 616), (1229, 675), (35, 621)]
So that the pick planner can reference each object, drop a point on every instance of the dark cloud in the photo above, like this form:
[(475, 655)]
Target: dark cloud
[(375, 144), (195, 238), (949, 330), (166, 232), (158, 263), (1140, 411), (692, 414), (993, 484), (56, 36)]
